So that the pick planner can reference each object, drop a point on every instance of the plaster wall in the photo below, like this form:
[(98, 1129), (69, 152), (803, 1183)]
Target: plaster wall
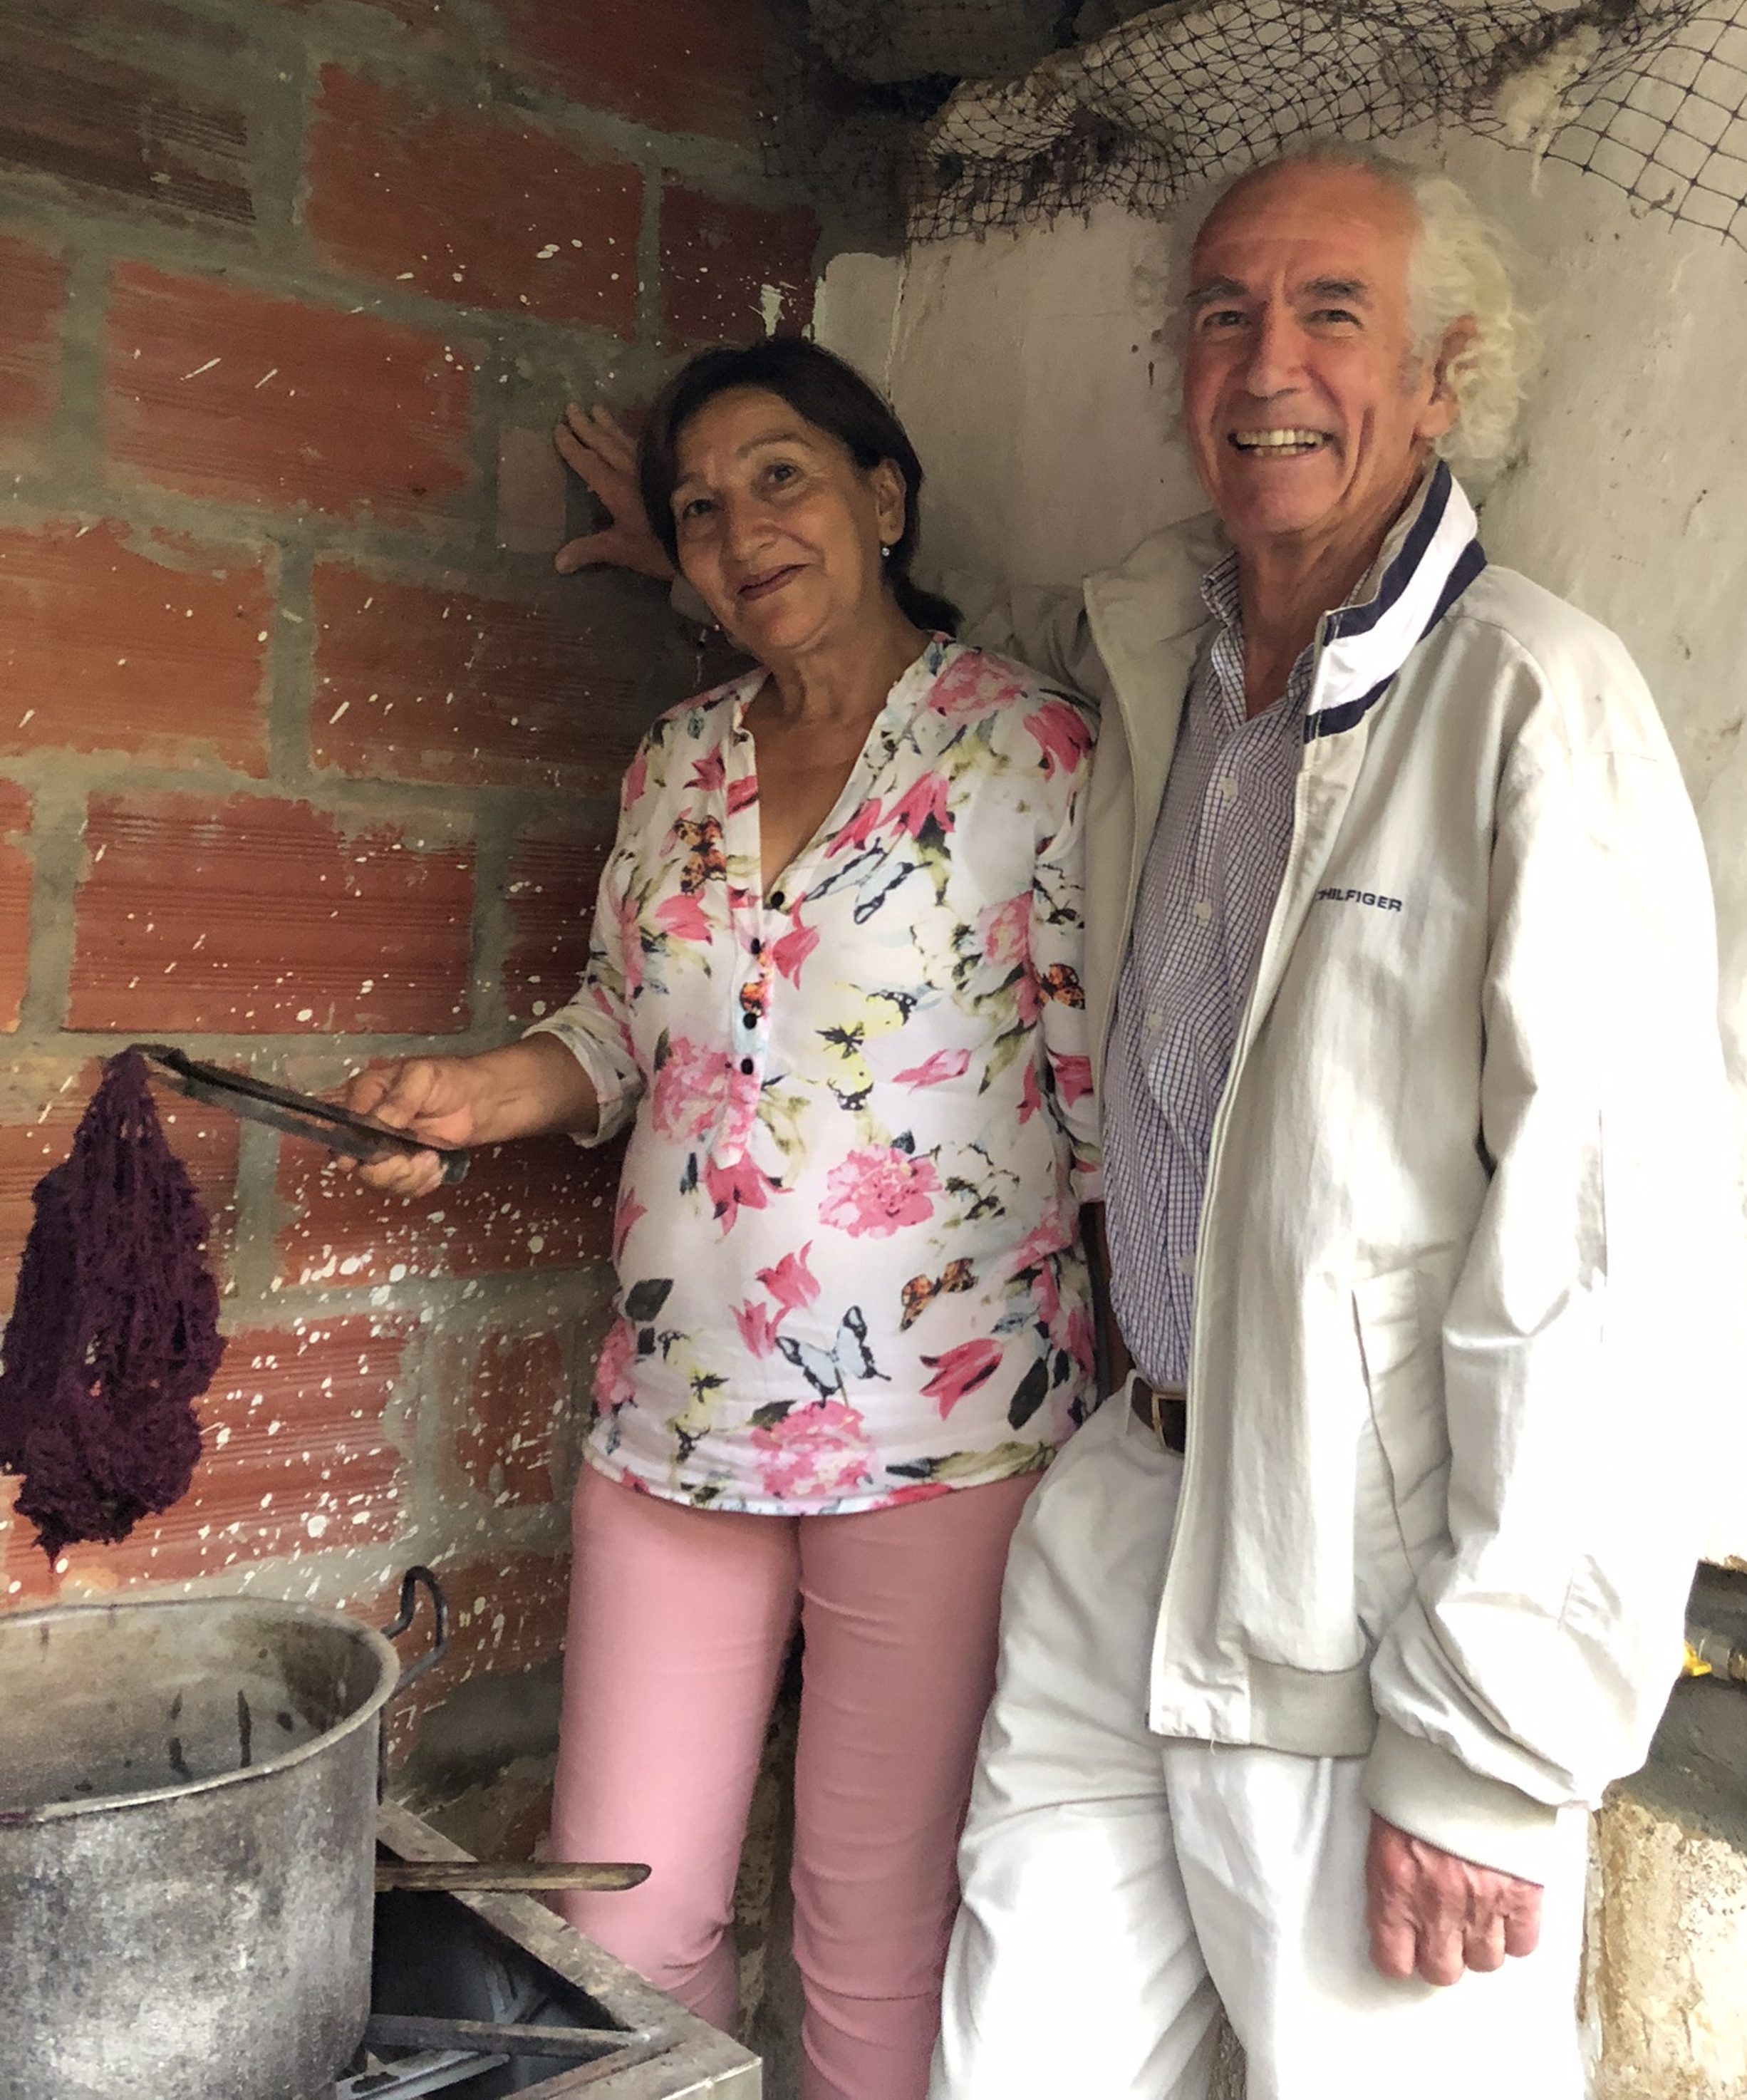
[(1035, 374)]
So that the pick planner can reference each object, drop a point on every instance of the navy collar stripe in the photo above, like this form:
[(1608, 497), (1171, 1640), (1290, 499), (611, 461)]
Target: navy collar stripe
[(1362, 618), (1469, 563), (1331, 722)]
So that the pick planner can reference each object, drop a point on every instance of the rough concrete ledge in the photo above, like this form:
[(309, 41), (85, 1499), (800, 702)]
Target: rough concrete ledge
[(1666, 1974)]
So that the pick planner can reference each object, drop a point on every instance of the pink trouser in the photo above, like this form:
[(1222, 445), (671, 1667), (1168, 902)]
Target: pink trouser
[(679, 1620)]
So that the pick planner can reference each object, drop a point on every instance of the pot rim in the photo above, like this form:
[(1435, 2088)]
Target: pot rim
[(388, 1678)]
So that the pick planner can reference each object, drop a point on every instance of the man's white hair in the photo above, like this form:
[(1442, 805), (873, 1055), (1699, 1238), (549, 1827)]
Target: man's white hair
[(1464, 266)]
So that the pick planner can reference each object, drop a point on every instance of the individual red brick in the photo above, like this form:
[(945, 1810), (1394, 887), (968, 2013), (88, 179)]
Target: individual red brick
[(543, 1203), (680, 65), (233, 395), (137, 643), (509, 1613), (30, 315), (14, 901), (506, 1617), (732, 273), (518, 1400), (42, 1100), (554, 879), (296, 1460), (476, 210), (127, 135), (438, 685), (257, 916)]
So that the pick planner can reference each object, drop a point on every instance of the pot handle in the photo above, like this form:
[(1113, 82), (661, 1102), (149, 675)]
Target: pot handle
[(411, 1583)]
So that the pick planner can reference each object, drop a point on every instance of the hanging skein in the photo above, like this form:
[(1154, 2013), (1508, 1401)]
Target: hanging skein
[(115, 1332)]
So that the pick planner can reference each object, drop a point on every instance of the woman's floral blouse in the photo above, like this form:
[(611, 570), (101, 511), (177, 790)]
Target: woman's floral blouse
[(849, 1274)]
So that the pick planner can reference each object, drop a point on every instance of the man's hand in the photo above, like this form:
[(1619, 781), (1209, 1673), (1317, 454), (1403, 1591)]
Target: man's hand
[(428, 1098), (1433, 1915), (604, 454)]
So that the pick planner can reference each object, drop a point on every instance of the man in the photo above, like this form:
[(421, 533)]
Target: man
[(1319, 1637)]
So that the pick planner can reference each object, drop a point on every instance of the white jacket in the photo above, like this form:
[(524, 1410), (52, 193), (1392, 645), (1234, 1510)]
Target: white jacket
[(1466, 1281)]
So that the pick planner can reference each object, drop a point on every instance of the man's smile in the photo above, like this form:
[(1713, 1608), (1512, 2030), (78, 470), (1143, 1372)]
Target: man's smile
[(1285, 444)]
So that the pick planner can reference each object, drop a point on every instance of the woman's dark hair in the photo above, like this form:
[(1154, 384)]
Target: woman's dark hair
[(826, 392)]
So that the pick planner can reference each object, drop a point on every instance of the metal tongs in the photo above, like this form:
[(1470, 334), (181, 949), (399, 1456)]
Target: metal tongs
[(298, 1115)]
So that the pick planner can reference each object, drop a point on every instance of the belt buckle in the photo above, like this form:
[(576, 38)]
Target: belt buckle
[(1165, 1413)]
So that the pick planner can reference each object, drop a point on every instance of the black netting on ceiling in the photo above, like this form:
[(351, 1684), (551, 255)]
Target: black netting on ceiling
[(951, 116)]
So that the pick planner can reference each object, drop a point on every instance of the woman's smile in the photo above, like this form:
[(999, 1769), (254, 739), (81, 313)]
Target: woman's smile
[(767, 581)]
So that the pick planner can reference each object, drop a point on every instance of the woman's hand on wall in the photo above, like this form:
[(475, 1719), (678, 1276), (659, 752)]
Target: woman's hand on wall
[(599, 449)]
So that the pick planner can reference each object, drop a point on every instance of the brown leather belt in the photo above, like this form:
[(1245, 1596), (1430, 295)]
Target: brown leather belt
[(1164, 1410)]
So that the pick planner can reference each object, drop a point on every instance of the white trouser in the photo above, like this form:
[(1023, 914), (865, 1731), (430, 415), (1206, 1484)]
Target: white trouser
[(1120, 1886)]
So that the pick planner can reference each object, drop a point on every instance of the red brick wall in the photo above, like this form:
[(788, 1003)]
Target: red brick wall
[(299, 763)]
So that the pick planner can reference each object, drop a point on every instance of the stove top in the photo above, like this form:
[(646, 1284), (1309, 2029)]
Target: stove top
[(479, 1996)]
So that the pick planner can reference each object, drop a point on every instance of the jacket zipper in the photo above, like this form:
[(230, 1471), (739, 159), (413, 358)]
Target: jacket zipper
[(1215, 1152)]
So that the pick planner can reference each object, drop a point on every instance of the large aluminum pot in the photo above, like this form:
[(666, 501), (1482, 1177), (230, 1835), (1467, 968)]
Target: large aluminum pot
[(187, 1838)]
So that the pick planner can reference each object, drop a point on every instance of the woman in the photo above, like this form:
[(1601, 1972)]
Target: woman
[(834, 990)]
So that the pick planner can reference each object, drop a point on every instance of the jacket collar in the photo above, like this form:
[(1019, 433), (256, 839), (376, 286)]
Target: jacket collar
[(1153, 603), (1148, 621), (1432, 555)]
